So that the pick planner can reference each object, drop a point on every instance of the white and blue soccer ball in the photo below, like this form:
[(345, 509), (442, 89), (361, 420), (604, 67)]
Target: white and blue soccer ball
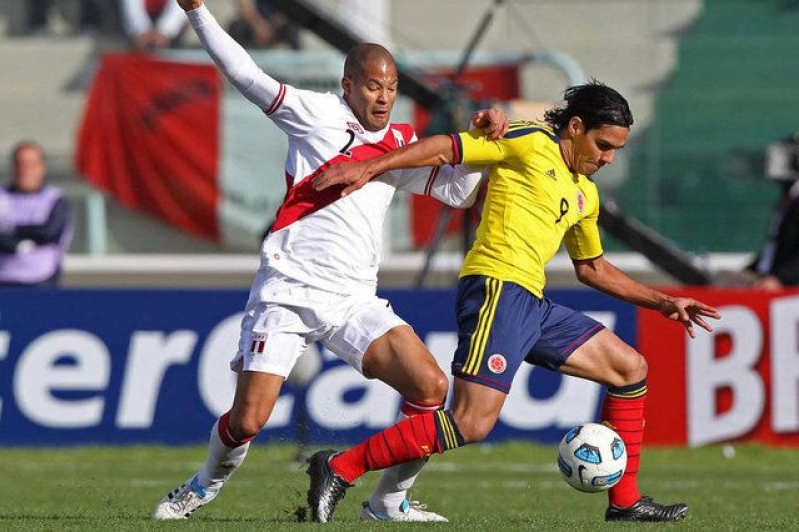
[(592, 457)]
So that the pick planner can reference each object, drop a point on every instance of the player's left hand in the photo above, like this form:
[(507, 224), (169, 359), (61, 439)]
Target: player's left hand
[(352, 174), (689, 311), (493, 121)]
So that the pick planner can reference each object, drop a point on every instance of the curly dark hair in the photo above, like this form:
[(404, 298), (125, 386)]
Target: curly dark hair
[(595, 103)]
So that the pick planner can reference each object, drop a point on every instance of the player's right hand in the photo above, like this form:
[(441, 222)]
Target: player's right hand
[(352, 174), (188, 5)]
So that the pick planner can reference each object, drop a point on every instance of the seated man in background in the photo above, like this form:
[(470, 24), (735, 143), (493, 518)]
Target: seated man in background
[(152, 24), (35, 222), (260, 25), (777, 264)]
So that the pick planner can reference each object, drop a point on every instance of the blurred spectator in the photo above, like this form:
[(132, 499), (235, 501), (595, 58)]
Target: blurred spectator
[(35, 222), (260, 25), (777, 264), (89, 16), (152, 24)]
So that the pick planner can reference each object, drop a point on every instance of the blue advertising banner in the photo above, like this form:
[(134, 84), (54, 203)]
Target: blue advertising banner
[(151, 366)]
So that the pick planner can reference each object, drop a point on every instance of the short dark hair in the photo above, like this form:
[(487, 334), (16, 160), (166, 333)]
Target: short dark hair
[(595, 104), (362, 54)]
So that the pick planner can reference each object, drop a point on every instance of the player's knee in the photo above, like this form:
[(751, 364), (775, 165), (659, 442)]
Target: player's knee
[(475, 432), (428, 387), (634, 369), (437, 387), (474, 429), (244, 426)]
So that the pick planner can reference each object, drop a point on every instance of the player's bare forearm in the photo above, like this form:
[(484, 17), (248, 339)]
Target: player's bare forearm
[(603, 276), (188, 5), (432, 151)]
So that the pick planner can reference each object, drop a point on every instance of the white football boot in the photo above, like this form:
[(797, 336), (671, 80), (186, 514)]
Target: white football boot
[(407, 511), (181, 502)]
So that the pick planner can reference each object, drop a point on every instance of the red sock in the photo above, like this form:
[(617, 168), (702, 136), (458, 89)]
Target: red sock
[(624, 410), (410, 439), (416, 408), (224, 433)]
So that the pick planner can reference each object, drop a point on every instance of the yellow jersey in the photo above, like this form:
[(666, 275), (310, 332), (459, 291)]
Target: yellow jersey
[(534, 202)]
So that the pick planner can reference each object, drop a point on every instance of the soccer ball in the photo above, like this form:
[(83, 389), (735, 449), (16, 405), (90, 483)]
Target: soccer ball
[(592, 457)]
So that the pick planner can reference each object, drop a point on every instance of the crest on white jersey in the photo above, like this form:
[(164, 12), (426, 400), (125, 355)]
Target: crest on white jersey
[(399, 138), (355, 126)]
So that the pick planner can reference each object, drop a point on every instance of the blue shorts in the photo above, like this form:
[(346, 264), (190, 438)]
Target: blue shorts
[(501, 324)]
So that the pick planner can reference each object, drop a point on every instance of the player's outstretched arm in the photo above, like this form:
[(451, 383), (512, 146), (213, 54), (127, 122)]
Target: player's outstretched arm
[(230, 57), (431, 151), (602, 275)]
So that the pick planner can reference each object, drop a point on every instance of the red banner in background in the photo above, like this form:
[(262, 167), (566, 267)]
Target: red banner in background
[(739, 383), (492, 84), (150, 137)]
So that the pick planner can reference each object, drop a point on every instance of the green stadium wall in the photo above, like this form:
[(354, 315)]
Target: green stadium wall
[(696, 172)]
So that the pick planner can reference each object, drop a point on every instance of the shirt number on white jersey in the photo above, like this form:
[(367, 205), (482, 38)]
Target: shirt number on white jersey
[(346, 149)]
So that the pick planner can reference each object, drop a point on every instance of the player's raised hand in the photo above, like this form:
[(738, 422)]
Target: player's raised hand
[(352, 174), (188, 5), (689, 311), (493, 121)]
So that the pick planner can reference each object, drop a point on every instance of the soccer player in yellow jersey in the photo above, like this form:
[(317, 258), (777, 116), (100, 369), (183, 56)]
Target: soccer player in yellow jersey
[(540, 193)]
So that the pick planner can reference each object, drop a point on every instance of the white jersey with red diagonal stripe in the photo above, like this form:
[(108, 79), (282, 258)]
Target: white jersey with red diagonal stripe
[(319, 238)]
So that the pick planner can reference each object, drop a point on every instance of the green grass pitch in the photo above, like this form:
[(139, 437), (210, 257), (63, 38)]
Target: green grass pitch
[(503, 487)]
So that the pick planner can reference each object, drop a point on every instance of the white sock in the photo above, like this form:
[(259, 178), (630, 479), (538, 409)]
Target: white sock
[(394, 484), (222, 461)]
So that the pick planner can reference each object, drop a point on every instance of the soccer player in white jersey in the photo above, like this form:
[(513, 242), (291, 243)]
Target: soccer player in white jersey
[(318, 275)]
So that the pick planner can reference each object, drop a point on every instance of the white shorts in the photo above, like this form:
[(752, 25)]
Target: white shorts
[(284, 316)]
